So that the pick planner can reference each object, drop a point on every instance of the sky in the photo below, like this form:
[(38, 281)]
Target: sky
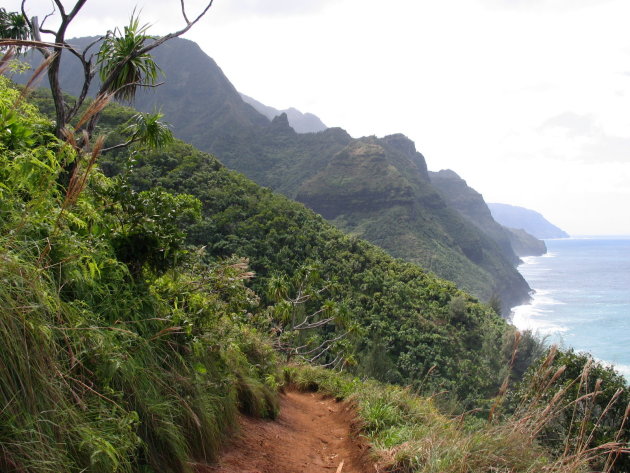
[(527, 100)]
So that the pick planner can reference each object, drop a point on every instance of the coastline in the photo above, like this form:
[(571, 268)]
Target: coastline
[(575, 315)]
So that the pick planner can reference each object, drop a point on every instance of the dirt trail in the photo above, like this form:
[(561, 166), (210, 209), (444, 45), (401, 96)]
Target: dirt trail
[(311, 435)]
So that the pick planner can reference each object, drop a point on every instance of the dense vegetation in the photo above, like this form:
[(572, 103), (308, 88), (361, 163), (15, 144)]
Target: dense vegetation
[(106, 368), (422, 329), (140, 309), (384, 195), (408, 434)]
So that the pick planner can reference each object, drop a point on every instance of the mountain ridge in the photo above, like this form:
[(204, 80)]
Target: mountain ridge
[(411, 219), (513, 243), (528, 220), (300, 122)]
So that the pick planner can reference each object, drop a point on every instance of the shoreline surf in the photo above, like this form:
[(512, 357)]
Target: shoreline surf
[(581, 297)]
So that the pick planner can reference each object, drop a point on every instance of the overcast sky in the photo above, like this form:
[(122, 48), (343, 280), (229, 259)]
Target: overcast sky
[(527, 100)]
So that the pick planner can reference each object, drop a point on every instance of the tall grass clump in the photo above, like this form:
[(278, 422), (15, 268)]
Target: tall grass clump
[(409, 434), (112, 364), (578, 408)]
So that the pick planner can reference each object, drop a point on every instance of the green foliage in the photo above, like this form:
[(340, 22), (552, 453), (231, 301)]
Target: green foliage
[(587, 402), (149, 226), (13, 25), (308, 322), (120, 59), (147, 129), (407, 308), (102, 371), (402, 318), (127, 351)]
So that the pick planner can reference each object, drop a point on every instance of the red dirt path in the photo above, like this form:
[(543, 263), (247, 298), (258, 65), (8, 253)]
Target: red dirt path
[(311, 435)]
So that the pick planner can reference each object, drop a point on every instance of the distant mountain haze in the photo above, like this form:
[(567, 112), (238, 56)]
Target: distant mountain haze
[(470, 203), (529, 220), (300, 122), (196, 98), (378, 189)]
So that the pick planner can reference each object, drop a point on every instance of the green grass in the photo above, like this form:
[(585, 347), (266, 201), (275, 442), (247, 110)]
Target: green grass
[(408, 434), (105, 370)]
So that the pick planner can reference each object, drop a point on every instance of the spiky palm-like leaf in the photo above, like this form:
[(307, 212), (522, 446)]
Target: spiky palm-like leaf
[(119, 56), (13, 26), (148, 129)]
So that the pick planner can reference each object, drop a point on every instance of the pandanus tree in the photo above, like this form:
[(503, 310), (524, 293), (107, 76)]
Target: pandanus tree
[(13, 25), (123, 62)]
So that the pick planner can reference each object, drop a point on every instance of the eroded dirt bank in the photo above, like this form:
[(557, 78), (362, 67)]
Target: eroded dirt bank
[(311, 435)]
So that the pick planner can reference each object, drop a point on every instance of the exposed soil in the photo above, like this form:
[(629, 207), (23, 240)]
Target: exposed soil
[(311, 435)]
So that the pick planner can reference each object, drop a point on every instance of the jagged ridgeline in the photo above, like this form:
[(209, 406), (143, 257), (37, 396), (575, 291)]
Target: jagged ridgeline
[(124, 347), (376, 189), (470, 204), (133, 329), (403, 319)]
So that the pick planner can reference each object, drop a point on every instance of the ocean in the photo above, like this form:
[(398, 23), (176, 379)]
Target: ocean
[(582, 297)]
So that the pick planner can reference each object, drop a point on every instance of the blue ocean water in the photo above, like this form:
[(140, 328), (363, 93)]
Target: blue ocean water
[(582, 297)]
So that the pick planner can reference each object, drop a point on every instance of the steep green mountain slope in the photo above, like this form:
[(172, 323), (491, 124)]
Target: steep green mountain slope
[(469, 203), (525, 244), (388, 199), (529, 220), (392, 319), (379, 190), (112, 364), (126, 350), (401, 317)]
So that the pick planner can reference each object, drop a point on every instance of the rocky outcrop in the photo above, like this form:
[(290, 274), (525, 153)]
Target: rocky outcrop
[(525, 244), (357, 179), (300, 122)]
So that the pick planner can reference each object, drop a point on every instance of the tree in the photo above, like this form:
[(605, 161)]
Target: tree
[(123, 61), (308, 325), (13, 25)]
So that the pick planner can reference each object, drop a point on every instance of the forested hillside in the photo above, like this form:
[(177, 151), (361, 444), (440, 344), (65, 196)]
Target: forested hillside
[(132, 345), (373, 294), (333, 173), (149, 295), (471, 205)]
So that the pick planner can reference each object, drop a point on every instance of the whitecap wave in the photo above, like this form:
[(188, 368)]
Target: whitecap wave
[(623, 370), (533, 316), (542, 298), (529, 259)]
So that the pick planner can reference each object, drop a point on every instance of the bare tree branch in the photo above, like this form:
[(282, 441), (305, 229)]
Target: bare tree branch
[(184, 11), (46, 17), (326, 342), (119, 145), (334, 362), (320, 323), (62, 11)]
